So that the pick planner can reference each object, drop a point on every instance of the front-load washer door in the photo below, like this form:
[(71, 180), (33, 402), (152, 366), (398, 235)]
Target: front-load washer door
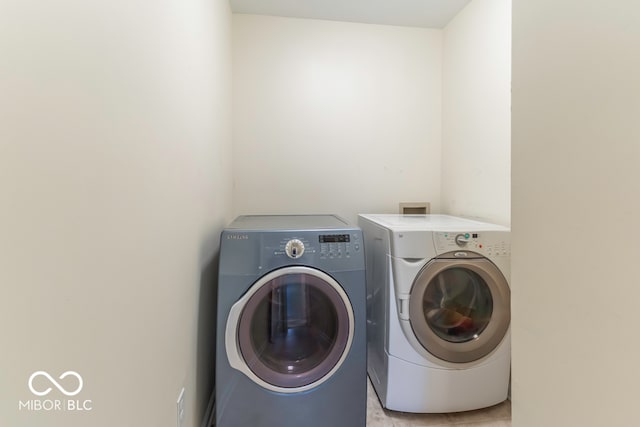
[(291, 330), (459, 309)]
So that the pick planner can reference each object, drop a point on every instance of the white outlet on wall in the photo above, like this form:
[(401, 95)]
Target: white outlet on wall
[(180, 408)]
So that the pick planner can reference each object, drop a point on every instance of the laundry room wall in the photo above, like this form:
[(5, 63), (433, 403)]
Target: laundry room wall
[(115, 181), (576, 181), (334, 116), (476, 130)]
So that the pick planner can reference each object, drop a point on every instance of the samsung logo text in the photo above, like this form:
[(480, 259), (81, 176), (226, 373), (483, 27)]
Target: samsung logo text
[(237, 237)]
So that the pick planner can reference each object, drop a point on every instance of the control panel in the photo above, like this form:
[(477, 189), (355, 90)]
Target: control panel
[(490, 244), (326, 246), (338, 245)]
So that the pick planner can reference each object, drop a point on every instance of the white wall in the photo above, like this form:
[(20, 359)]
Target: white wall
[(476, 140), (115, 181), (576, 181), (334, 116)]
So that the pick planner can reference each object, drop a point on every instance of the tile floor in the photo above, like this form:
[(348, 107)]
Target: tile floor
[(495, 416)]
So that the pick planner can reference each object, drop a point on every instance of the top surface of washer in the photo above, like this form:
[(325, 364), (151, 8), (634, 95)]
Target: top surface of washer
[(289, 222), (397, 222)]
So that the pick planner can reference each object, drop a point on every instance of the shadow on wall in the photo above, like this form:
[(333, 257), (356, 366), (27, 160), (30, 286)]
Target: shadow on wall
[(207, 310)]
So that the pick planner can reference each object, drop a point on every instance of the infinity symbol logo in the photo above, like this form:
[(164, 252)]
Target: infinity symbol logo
[(55, 383)]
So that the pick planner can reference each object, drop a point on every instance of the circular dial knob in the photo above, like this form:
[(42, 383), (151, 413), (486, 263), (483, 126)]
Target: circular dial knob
[(462, 239), (294, 248)]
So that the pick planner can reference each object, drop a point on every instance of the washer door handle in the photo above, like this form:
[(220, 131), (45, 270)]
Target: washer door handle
[(403, 306), (231, 333)]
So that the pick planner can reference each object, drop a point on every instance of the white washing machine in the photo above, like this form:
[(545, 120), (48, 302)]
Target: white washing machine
[(438, 312)]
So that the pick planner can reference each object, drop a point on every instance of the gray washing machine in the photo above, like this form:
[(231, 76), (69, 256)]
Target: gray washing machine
[(291, 344)]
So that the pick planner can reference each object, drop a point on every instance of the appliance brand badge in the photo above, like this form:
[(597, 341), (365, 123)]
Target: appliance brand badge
[(237, 237)]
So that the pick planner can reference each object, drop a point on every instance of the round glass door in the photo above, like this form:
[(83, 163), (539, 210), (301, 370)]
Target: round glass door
[(457, 304), (295, 328), (460, 309)]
